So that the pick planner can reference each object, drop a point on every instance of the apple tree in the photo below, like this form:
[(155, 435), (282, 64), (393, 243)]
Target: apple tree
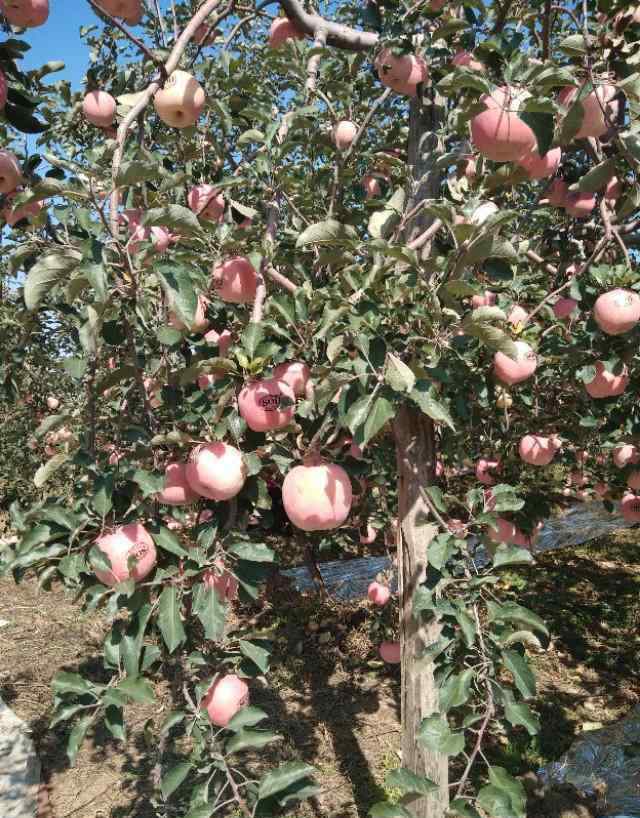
[(381, 255)]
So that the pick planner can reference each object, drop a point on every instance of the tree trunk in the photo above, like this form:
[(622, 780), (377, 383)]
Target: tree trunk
[(416, 458), (415, 452)]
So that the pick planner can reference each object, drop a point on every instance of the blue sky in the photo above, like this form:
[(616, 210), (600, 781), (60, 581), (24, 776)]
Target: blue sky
[(59, 39)]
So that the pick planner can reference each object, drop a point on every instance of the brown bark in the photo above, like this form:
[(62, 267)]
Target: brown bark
[(416, 457), (416, 453)]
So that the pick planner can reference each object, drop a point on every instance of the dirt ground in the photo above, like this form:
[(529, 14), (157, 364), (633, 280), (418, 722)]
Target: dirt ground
[(337, 709)]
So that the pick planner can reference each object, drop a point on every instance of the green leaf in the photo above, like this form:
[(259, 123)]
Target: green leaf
[(114, 722), (512, 612), (424, 395), (398, 375), (135, 171), (252, 135), (64, 682), (504, 797), (521, 672), (76, 737), (247, 717), (366, 417), (461, 808), (455, 691), (409, 783), (519, 713), (467, 626), (596, 178), (250, 739), (326, 232), (23, 120), (252, 336), (259, 655), (383, 222), (172, 779), (179, 290), (201, 811), (283, 777), (133, 640), (49, 468), (210, 610), (542, 124), (174, 216), (149, 482), (506, 498), (436, 735), (138, 690), (253, 552), (511, 555), (167, 540), (102, 493), (169, 620), (46, 272)]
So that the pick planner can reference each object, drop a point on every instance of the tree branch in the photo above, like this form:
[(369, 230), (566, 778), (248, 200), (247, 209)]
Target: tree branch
[(168, 68), (338, 35), (138, 43), (269, 240), (313, 65)]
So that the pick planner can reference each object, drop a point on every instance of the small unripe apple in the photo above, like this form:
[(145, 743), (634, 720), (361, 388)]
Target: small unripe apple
[(14, 215), (402, 73), (503, 531), (53, 403), (296, 374), (283, 29), (222, 340), (593, 105), (617, 311), (482, 212), (556, 194), (564, 307), (579, 205), (216, 471), (226, 697), (390, 652), (180, 102), (483, 467), (176, 491), (517, 315), (378, 594), (465, 59), (344, 133), (235, 280), (487, 299), (25, 13), (368, 535), (541, 167), (317, 497), (99, 108), (222, 581), (512, 371), (498, 132), (200, 321), (206, 202), (10, 172), (625, 454), (267, 405), (537, 450), (131, 551), (371, 187), (630, 507), (606, 384)]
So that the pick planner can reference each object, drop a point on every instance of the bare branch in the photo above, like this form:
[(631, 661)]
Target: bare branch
[(313, 66), (338, 35)]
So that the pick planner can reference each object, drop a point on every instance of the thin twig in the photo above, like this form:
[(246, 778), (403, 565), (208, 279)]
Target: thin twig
[(138, 43)]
